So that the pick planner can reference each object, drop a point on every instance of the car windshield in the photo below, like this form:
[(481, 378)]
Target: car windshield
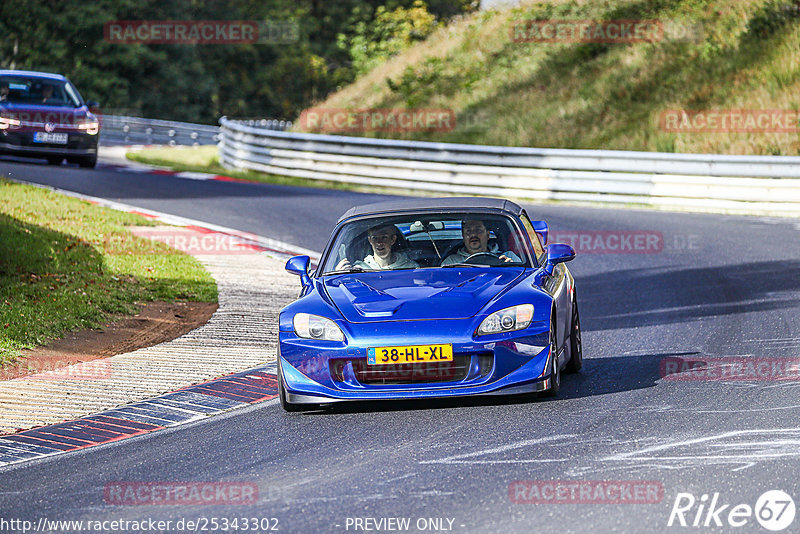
[(38, 91), (426, 241)]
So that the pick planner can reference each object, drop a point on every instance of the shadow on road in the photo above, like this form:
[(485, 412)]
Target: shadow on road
[(600, 376), (646, 297)]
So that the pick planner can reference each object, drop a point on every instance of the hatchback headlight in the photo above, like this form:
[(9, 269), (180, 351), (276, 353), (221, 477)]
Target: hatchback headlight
[(8, 122), (91, 127), (315, 327), (507, 320)]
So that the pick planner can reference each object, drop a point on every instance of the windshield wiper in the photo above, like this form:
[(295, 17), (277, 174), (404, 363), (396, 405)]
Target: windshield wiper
[(465, 265), (346, 271), (504, 264)]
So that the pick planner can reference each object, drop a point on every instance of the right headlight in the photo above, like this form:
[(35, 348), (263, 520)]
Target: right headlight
[(310, 326), (507, 320)]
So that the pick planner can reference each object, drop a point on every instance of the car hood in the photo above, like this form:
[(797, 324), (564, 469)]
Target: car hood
[(451, 293)]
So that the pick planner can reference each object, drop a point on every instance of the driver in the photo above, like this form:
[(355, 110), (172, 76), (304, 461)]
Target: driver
[(382, 239), (47, 94), (476, 241)]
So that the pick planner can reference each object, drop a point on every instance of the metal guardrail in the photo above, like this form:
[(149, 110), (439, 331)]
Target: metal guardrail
[(763, 184), (136, 130), (116, 129), (269, 124)]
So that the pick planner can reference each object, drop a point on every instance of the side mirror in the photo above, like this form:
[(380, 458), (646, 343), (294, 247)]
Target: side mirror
[(299, 265), (91, 104), (541, 229), (558, 253)]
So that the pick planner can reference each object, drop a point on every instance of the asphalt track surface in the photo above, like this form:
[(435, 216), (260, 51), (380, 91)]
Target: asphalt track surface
[(718, 287)]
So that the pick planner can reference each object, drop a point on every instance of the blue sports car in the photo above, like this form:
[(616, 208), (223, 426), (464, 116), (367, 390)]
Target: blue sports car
[(430, 298)]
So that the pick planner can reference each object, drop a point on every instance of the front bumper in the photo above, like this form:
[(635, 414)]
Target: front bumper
[(319, 372), (21, 143)]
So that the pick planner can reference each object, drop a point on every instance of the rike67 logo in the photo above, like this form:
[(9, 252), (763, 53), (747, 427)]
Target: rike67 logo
[(774, 510)]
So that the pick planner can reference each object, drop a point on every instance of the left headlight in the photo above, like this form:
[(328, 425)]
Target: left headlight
[(507, 320), (315, 327)]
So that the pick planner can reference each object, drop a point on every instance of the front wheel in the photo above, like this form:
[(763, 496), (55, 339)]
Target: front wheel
[(285, 404), (88, 162), (575, 345), (555, 371)]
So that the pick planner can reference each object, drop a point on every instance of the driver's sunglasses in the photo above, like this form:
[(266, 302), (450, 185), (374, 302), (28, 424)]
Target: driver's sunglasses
[(385, 238)]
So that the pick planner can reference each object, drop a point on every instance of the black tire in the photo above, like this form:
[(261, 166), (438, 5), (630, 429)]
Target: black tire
[(555, 371), (88, 162), (285, 404), (575, 345), (54, 160)]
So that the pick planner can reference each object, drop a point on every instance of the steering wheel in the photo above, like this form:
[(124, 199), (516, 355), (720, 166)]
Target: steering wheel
[(484, 258)]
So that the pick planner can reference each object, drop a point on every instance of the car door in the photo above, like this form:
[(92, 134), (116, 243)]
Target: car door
[(557, 285)]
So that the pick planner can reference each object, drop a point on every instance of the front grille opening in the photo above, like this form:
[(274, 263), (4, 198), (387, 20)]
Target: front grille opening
[(460, 368)]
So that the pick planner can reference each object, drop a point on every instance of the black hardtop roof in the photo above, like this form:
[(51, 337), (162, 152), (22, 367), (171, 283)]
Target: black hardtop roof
[(446, 203)]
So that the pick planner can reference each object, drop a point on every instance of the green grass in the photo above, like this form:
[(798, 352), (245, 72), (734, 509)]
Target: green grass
[(206, 159), (201, 158), (66, 264), (608, 96)]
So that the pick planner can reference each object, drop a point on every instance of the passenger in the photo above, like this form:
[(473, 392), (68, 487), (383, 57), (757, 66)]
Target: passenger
[(382, 239), (476, 241)]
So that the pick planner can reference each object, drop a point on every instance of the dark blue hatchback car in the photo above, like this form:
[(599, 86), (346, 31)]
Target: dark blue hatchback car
[(43, 116), (430, 298)]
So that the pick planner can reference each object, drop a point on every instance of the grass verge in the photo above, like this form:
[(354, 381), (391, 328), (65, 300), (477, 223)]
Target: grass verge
[(205, 159), (66, 264)]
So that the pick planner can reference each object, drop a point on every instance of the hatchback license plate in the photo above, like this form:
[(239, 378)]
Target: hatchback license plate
[(409, 354), (47, 137)]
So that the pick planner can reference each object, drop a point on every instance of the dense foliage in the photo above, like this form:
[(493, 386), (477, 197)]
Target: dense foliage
[(714, 55), (199, 83)]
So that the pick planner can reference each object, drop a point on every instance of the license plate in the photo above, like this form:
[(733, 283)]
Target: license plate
[(410, 354), (47, 137)]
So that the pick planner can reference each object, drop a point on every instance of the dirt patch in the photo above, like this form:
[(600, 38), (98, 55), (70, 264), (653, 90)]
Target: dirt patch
[(156, 323)]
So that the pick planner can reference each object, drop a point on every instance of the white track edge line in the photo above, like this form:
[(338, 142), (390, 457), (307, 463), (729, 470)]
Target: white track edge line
[(267, 242)]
